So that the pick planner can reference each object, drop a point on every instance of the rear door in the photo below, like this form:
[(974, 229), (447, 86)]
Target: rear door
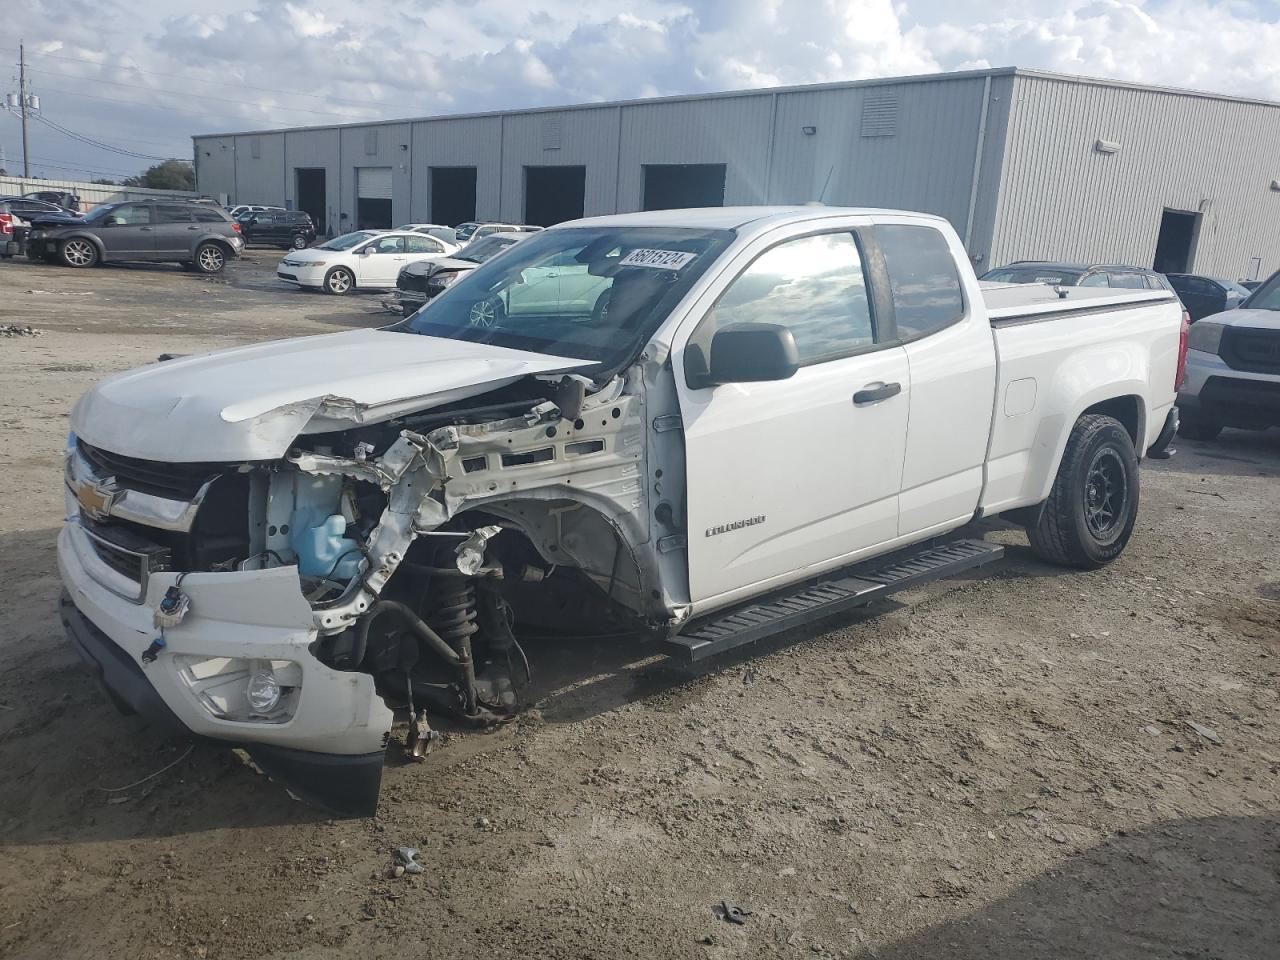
[(175, 230), (951, 354), (128, 233), (785, 478)]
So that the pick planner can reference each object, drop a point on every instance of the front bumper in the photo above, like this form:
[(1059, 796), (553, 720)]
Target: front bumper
[(404, 301), (300, 276), (1216, 392), (330, 751)]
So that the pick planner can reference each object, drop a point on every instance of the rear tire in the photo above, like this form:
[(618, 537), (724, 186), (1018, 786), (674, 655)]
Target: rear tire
[(1089, 516), (210, 258), (78, 252), (1195, 429)]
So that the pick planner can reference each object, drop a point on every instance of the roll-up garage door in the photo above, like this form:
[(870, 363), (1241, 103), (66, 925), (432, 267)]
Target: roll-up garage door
[(373, 183)]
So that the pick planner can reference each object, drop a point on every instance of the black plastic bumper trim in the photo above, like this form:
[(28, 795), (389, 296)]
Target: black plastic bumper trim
[(344, 785), (1160, 450)]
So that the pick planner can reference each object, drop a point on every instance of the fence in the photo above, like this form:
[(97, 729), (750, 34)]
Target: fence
[(90, 194)]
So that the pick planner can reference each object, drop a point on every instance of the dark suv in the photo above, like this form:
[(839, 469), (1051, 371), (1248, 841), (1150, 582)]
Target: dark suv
[(198, 236), (288, 229)]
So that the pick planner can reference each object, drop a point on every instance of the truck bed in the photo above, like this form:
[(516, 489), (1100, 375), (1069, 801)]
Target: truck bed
[(1029, 302), (1110, 343)]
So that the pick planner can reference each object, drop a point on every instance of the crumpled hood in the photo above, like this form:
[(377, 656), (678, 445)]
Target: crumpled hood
[(249, 403), (1246, 317), (426, 268)]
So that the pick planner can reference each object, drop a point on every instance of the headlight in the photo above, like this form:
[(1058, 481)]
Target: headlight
[(445, 280), (1205, 336)]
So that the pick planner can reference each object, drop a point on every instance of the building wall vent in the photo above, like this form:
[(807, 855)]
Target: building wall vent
[(551, 130), (371, 142), (879, 115)]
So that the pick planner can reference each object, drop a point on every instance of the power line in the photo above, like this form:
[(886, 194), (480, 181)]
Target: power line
[(219, 83), (203, 96), (240, 118), (96, 143)]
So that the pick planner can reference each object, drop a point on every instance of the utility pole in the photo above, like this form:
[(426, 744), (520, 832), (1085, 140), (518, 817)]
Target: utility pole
[(22, 101)]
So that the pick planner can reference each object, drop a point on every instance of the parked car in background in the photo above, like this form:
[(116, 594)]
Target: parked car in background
[(365, 259), (1250, 285), (59, 198), (446, 234), (279, 228), (13, 232), (419, 282), (1203, 296), (198, 236), (241, 209), (31, 210), (1233, 368), (474, 229), (1077, 275)]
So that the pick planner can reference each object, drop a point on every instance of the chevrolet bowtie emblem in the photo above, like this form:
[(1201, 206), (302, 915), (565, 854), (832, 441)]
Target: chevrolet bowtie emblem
[(95, 499)]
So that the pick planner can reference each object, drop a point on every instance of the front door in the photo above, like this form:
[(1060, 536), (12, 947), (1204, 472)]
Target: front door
[(380, 266), (788, 477), (129, 232)]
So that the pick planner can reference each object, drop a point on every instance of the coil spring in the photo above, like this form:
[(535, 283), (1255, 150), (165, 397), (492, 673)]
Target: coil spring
[(455, 615)]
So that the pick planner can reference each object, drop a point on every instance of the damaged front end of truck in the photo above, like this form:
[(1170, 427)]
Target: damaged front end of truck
[(254, 559)]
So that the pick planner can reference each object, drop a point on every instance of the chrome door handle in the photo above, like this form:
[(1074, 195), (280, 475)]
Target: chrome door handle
[(874, 393)]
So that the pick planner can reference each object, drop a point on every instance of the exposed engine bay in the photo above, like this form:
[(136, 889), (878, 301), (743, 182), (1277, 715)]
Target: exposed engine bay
[(420, 542)]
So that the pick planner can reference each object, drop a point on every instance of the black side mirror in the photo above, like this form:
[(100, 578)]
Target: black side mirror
[(751, 353)]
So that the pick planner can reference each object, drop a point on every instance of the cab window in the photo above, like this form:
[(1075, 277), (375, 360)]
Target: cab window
[(815, 286), (386, 245), (421, 244), (923, 279), (131, 214)]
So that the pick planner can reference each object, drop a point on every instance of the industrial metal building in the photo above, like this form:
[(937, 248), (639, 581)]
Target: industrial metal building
[(1025, 164)]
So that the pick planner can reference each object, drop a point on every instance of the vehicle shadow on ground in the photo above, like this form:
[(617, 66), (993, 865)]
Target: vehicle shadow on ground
[(1236, 453), (1204, 887)]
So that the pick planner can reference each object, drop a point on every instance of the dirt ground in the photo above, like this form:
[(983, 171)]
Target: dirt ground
[(1002, 766)]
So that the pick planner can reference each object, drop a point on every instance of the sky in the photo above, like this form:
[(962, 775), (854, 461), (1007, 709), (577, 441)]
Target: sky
[(129, 81)]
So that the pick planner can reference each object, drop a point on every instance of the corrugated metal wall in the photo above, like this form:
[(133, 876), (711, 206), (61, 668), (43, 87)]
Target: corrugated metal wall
[(461, 142), (1062, 199), (757, 136)]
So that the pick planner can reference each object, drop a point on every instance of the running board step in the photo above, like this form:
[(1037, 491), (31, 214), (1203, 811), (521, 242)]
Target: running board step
[(854, 587)]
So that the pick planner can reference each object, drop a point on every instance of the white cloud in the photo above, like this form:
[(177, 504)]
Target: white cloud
[(192, 71)]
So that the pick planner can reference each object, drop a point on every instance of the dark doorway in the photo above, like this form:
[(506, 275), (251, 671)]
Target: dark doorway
[(373, 213), (311, 195), (672, 186), (1176, 242), (453, 195), (554, 194)]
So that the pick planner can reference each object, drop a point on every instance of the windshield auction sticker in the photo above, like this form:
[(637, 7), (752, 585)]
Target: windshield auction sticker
[(658, 259)]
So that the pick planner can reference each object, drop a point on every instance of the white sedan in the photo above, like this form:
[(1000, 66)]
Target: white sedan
[(366, 259)]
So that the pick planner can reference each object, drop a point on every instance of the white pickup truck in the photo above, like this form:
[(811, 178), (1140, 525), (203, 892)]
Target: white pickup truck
[(776, 414)]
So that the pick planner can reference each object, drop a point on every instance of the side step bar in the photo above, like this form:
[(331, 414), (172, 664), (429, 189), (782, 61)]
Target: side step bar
[(854, 587)]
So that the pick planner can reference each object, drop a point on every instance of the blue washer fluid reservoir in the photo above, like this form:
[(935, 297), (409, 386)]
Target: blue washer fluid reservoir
[(324, 551)]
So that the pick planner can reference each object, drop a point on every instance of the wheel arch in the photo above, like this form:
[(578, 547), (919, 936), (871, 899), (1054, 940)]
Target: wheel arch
[(97, 243)]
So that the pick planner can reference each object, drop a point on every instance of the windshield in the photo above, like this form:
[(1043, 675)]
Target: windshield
[(481, 250), (1232, 288), (347, 240), (1266, 297), (1034, 274), (463, 231), (591, 293)]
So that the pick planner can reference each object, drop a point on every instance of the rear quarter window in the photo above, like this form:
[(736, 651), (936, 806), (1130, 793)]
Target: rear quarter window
[(204, 215), (923, 279)]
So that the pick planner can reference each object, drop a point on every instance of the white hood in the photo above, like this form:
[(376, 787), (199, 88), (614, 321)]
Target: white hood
[(249, 403)]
